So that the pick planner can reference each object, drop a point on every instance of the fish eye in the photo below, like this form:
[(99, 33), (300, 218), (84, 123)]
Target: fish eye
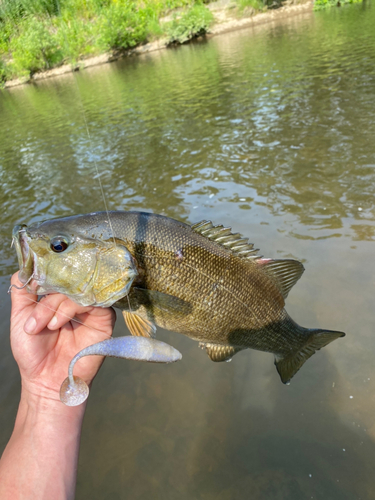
[(58, 244)]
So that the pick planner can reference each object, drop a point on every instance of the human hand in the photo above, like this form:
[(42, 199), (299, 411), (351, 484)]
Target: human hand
[(44, 338), (40, 460)]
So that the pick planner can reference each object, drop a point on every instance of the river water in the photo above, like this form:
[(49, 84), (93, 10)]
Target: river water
[(270, 131)]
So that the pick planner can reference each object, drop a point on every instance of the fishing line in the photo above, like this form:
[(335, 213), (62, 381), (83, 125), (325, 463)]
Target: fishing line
[(91, 147), (108, 216), (65, 315), (130, 309), (95, 163)]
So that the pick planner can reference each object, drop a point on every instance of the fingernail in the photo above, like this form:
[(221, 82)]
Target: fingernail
[(30, 325), (53, 322)]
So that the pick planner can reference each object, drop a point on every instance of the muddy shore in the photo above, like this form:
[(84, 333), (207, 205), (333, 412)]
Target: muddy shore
[(225, 21)]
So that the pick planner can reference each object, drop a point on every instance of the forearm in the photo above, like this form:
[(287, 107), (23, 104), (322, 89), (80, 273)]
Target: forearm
[(40, 460)]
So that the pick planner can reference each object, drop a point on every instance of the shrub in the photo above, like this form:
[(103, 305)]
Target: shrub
[(13, 10), (122, 25), (6, 31), (3, 72), (76, 38), (254, 5), (35, 47), (194, 22), (323, 4)]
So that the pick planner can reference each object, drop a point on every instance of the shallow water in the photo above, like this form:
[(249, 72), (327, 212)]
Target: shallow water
[(268, 130)]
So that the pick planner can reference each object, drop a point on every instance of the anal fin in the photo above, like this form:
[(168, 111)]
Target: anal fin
[(138, 326), (218, 352)]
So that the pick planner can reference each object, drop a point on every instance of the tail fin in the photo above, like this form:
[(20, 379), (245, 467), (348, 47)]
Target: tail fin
[(288, 366)]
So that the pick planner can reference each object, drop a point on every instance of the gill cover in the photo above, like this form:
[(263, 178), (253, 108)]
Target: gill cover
[(114, 274)]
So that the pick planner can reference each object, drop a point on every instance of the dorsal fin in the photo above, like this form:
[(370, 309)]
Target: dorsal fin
[(223, 235), (283, 272)]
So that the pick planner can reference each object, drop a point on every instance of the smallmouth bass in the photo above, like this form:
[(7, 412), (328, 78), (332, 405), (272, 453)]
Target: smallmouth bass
[(200, 280)]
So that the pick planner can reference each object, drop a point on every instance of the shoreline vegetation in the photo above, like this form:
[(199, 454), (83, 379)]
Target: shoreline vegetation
[(44, 38)]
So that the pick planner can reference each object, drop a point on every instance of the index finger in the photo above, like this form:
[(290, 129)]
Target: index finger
[(55, 310)]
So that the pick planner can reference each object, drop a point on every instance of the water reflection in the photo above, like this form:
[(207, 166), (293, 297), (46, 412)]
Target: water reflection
[(269, 131), (291, 123)]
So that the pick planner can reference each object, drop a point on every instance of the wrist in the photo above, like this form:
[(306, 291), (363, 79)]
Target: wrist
[(45, 405), (37, 392), (40, 460)]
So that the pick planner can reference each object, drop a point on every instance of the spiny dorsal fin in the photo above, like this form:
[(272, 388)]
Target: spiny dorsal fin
[(287, 367), (138, 327), (218, 352), (283, 272), (223, 235)]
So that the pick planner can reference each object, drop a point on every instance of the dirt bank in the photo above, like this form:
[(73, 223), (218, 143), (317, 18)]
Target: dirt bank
[(225, 20)]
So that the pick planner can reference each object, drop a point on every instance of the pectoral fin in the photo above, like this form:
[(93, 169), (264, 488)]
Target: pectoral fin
[(138, 326), (288, 366), (218, 352), (152, 300)]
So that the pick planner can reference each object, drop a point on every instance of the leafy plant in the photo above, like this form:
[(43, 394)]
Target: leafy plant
[(3, 72), (246, 5), (154, 30), (194, 22), (122, 26), (77, 38), (40, 34), (6, 31), (323, 4), (35, 48), (13, 10)]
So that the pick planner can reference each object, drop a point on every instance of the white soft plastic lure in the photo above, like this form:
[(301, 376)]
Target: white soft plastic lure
[(74, 391)]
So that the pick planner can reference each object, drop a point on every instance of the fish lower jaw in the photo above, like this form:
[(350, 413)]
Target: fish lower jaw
[(37, 279)]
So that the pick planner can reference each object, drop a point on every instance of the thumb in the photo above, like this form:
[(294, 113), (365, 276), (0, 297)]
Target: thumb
[(28, 350), (23, 302)]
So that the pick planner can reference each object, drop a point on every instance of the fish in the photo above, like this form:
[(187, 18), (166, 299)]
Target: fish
[(201, 280)]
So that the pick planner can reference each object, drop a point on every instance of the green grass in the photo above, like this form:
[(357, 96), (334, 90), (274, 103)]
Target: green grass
[(2, 74), (11, 10), (324, 4), (39, 34), (244, 5)]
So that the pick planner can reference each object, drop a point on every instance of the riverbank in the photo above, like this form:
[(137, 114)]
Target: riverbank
[(225, 19)]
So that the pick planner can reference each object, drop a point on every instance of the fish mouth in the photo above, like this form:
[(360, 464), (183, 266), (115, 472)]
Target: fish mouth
[(26, 257)]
